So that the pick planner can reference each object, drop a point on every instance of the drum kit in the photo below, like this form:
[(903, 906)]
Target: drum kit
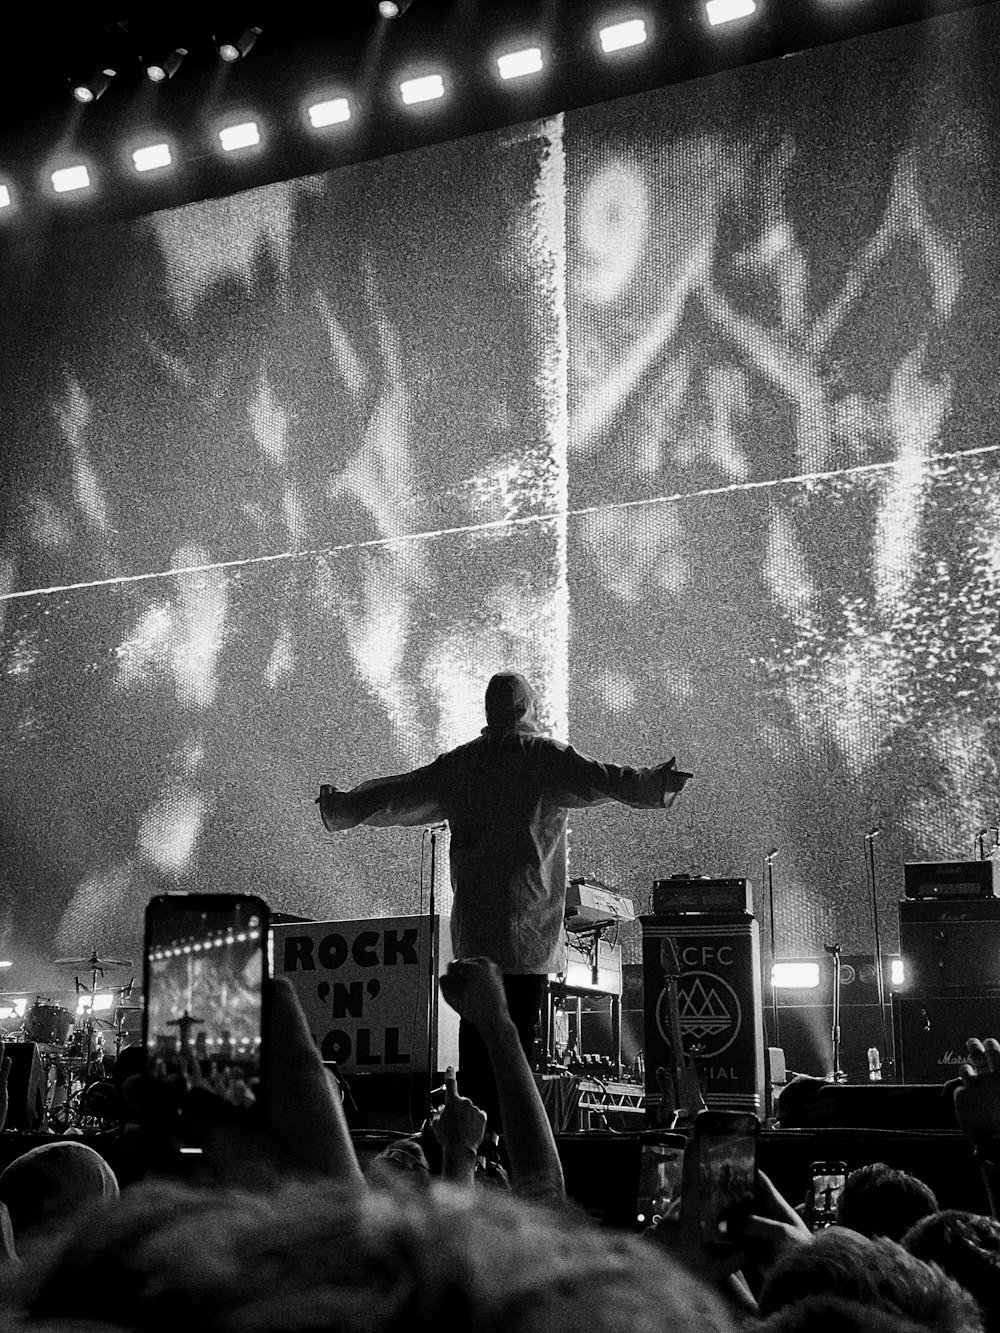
[(78, 1051)]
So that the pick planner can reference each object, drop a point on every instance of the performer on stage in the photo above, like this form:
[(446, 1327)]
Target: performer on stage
[(505, 796)]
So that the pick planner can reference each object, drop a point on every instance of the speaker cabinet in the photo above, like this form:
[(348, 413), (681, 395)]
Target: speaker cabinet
[(25, 1087), (931, 1031), (950, 944)]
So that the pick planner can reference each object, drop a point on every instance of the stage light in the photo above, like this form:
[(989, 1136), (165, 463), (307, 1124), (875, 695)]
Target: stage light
[(897, 973), (234, 137), (5, 962), (101, 1002), (236, 46), (334, 112), (519, 63), (391, 9), (92, 86), (724, 11), (795, 976), (621, 35), (165, 65), (422, 90), (152, 157), (70, 178), (5, 202)]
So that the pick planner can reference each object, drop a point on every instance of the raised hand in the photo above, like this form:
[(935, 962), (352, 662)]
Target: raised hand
[(459, 1127), (977, 1101), (474, 989)]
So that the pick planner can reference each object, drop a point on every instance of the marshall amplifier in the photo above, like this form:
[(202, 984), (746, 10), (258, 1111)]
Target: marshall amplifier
[(700, 895), (950, 944), (931, 1032), (951, 879), (719, 1000)]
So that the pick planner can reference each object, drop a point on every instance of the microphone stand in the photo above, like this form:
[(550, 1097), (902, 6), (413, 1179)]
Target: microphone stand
[(838, 1075), (768, 864), (877, 942), (431, 969)]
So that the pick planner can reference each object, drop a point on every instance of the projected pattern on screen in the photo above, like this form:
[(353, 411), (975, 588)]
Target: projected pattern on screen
[(682, 410)]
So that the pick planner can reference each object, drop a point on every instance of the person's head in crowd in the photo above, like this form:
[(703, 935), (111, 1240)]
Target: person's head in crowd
[(402, 1162), (879, 1200), (46, 1187), (373, 1261), (966, 1246), (831, 1314), (879, 1274)]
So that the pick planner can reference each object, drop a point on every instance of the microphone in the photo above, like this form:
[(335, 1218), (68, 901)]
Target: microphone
[(873, 833), (769, 856)]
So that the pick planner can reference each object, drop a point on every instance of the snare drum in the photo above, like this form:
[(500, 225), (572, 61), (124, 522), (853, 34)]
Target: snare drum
[(48, 1024)]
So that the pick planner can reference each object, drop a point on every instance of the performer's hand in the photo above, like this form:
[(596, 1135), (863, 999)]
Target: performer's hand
[(474, 989), (459, 1124), (977, 1101)]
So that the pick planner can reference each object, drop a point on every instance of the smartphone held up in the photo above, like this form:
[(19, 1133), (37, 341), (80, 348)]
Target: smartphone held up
[(205, 969)]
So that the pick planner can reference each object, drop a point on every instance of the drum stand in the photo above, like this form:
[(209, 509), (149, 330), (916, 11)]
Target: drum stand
[(90, 1060)]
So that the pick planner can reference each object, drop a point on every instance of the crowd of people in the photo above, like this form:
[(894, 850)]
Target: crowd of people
[(280, 1228)]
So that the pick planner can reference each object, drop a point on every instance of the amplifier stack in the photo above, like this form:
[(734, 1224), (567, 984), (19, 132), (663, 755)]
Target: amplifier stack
[(949, 936)]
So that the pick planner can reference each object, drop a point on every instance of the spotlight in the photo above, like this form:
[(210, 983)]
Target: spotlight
[(234, 137), (795, 976), (70, 178), (334, 112), (93, 86), (165, 65), (152, 157), (519, 63), (621, 35), (5, 202), (426, 89), (235, 46), (724, 11), (391, 9)]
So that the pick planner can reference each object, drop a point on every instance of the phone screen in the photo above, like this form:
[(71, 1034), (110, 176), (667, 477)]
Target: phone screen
[(828, 1180), (661, 1171), (205, 967), (726, 1165)]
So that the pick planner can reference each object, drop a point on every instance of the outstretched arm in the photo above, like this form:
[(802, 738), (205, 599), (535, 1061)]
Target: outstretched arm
[(576, 780), (474, 988), (406, 799)]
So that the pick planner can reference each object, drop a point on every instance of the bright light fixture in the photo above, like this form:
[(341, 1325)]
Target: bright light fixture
[(70, 178), (239, 136), (897, 973), (4, 203), (519, 63), (391, 9), (5, 962), (422, 90), (795, 976), (151, 157), (621, 35), (101, 1002), (724, 11), (333, 112)]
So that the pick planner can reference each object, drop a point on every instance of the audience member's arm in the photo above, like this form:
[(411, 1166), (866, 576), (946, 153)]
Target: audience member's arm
[(300, 1128), (4, 1076), (459, 1127), (474, 988), (977, 1110)]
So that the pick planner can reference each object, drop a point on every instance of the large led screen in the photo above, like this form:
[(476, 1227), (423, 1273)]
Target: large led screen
[(683, 405)]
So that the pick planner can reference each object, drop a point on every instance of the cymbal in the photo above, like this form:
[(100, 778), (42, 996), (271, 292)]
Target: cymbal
[(94, 962)]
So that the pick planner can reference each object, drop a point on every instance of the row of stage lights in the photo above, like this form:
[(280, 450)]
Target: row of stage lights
[(203, 946), (803, 975), (156, 157)]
